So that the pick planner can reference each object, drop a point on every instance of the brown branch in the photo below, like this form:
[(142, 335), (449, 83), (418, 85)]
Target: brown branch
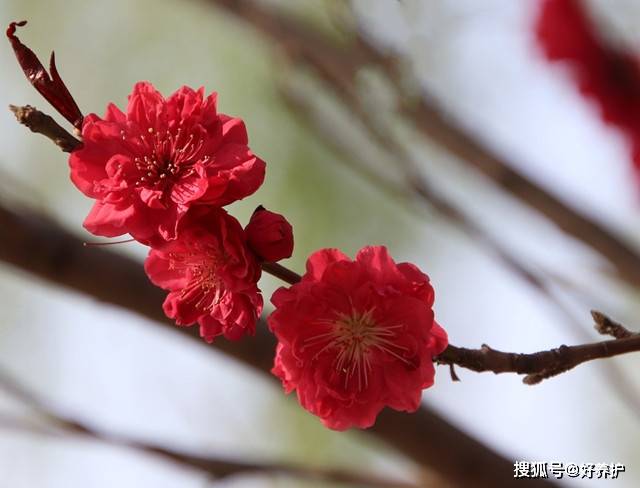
[(42, 123), (282, 273), (416, 186), (58, 424), (36, 244), (339, 65), (539, 365)]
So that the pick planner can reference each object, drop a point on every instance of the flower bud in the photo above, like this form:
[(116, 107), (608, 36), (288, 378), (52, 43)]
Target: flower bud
[(269, 235), (49, 85)]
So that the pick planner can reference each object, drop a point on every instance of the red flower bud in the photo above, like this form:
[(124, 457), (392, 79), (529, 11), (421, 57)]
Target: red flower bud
[(269, 235), (52, 88)]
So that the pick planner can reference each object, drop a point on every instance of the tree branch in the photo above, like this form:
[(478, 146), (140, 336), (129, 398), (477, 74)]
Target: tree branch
[(42, 123), (537, 366), (544, 364), (282, 273)]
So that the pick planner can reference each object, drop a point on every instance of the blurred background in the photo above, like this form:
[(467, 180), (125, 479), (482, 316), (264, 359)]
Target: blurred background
[(353, 159)]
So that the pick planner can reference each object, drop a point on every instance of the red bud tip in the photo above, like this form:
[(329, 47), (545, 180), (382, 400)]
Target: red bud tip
[(52, 88)]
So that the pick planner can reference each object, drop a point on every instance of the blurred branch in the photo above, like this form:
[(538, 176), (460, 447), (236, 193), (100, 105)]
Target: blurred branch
[(339, 64), (413, 185), (59, 425), (38, 245), (41, 123), (545, 364)]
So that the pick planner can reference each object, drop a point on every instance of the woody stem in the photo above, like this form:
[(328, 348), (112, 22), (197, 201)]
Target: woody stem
[(280, 272), (41, 123)]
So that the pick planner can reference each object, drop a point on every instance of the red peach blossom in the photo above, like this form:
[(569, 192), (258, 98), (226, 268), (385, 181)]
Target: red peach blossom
[(269, 235), (356, 336), (147, 167), (211, 275)]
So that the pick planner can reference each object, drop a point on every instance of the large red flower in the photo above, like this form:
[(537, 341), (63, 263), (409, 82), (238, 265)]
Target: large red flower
[(147, 167), (211, 275), (355, 336)]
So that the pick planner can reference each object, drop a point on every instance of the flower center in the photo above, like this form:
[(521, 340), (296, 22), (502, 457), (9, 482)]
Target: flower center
[(355, 336), (205, 287), (164, 157)]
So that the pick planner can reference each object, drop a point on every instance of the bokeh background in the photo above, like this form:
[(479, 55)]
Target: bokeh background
[(478, 60)]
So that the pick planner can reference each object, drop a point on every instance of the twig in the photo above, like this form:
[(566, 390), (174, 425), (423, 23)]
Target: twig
[(545, 364), (42, 123), (417, 187), (282, 273), (57, 424), (604, 325)]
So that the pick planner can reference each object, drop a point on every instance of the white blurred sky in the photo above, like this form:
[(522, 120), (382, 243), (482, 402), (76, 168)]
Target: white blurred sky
[(480, 60)]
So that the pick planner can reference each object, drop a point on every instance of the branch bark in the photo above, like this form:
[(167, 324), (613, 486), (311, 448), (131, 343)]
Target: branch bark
[(41, 123), (539, 365)]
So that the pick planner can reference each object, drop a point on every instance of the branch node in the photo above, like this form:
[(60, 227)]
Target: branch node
[(605, 326)]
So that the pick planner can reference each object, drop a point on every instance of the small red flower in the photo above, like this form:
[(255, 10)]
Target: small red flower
[(269, 235), (355, 336), (147, 167), (211, 275)]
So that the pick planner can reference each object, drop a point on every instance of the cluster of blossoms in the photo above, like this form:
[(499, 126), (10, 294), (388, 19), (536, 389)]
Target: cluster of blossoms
[(604, 73), (161, 172), (353, 336)]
